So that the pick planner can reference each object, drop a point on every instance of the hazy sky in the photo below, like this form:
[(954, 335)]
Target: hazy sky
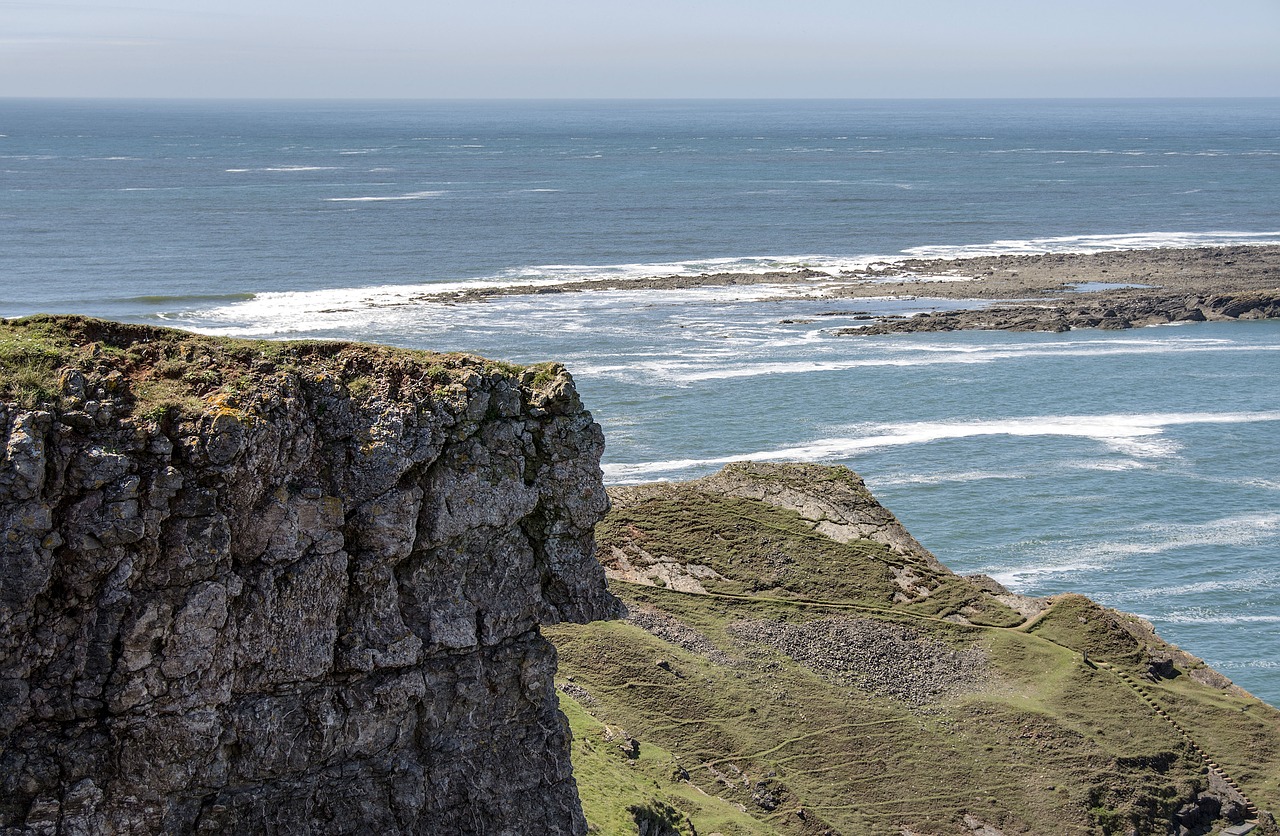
[(641, 48)]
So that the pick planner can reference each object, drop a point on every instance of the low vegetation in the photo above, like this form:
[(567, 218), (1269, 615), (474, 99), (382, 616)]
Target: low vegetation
[(794, 695), (154, 373)]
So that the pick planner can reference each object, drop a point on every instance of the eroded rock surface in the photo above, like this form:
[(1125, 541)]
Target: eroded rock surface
[(297, 609)]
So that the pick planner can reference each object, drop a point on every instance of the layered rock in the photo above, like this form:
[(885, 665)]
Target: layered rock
[(254, 587)]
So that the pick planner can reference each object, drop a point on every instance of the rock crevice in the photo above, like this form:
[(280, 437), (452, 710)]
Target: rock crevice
[(309, 604)]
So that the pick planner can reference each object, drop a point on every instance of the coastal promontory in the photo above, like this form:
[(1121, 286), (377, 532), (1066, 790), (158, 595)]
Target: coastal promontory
[(254, 587)]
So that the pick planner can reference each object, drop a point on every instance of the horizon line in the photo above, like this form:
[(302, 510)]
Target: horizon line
[(201, 98)]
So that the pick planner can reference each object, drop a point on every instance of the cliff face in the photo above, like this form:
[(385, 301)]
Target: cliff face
[(254, 587)]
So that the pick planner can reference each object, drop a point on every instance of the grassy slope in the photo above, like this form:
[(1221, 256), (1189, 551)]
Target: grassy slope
[(1047, 742)]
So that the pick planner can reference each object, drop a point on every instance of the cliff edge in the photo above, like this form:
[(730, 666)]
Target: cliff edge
[(254, 587)]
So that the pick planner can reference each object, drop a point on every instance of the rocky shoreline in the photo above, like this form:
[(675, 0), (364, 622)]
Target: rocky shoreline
[(1109, 311), (1037, 292), (1063, 292)]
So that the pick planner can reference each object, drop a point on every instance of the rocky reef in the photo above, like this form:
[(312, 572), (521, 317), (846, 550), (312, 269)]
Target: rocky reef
[(1113, 311), (252, 587)]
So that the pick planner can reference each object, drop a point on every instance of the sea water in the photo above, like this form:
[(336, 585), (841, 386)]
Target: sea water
[(1138, 467)]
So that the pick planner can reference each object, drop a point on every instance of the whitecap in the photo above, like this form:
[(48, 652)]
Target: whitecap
[(1236, 530), (424, 195), (1111, 465), (1023, 577), (926, 355), (1134, 435), (1207, 616), (284, 168), (1246, 583), (1097, 243), (942, 478)]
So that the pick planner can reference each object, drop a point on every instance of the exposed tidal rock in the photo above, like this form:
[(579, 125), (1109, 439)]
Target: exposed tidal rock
[(1114, 312), (253, 587)]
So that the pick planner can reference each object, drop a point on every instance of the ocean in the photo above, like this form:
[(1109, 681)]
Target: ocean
[(1139, 467)]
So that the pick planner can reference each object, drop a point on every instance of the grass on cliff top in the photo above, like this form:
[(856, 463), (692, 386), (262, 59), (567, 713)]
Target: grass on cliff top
[(802, 754), (766, 551), (1044, 741), (158, 370)]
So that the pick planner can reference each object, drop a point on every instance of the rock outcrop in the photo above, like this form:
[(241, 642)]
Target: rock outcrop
[(264, 587), (1116, 311)]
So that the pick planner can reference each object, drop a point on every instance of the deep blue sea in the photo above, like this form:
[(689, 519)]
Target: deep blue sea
[(1139, 468)]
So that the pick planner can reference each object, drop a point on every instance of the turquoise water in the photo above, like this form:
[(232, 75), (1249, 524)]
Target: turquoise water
[(1137, 467)]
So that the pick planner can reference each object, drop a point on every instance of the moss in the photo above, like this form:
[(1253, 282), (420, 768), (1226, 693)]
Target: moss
[(762, 549), (30, 360), (360, 387), (497, 367), (160, 371), (616, 788), (543, 374)]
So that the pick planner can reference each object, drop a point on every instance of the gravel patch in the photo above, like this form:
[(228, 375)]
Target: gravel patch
[(886, 659), (671, 629)]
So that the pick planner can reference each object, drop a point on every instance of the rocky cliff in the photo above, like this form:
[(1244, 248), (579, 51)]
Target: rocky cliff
[(286, 587)]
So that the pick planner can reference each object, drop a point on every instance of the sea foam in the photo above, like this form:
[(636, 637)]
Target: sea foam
[(1097, 243), (1130, 434)]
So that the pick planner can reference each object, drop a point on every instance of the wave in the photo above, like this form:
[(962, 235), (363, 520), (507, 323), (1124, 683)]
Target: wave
[(1097, 243), (1239, 530), (910, 355), (377, 199), (1244, 664), (1246, 583), (540, 275), (279, 168), (1020, 579), (1054, 559), (278, 313), (165, 299), (1133, 435), (942, 478), (1117, 466), (1204, 615)]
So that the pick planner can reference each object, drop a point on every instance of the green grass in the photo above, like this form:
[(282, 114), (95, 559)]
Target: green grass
[(860, 763), (763, 550), (1047, 736), (156, 373), (613, 786)]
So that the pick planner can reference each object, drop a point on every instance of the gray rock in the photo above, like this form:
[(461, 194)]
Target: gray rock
[(299, 612)]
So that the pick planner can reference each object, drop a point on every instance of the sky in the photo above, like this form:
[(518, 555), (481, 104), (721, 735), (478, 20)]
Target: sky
[(639, 49)]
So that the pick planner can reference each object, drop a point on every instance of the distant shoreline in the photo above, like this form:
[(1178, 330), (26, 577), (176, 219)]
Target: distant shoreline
[(1041, 292)]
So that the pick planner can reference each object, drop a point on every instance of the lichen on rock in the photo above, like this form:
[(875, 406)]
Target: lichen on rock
[(268, 587)]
